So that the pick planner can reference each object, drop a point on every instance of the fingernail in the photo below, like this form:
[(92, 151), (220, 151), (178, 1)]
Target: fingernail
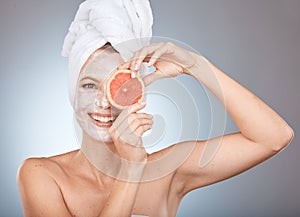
[(143, 103), (149, 64), (136, 67), (133, 74)]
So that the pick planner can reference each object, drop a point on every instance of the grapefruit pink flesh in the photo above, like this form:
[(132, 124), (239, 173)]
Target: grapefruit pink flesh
[(124, 90)]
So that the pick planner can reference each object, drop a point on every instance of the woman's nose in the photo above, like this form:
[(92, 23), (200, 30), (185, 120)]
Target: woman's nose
[(101, 99)]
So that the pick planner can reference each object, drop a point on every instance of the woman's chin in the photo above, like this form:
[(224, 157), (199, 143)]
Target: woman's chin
[(99, 134)]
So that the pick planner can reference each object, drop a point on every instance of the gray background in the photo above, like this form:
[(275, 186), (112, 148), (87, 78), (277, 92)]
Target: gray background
[(256, 42)]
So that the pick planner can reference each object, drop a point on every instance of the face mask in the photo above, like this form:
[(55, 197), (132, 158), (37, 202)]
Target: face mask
[(93, 111)]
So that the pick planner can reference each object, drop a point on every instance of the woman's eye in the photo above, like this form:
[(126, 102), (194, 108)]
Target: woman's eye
[(89, 86)]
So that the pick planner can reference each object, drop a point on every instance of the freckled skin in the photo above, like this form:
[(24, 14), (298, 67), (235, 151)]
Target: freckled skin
[(155, 198)]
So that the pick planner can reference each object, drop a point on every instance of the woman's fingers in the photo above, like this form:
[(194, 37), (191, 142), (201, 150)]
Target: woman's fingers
[(133, 137), (133, 122), (136, 60), (138, 123), (140, 56), (130, 109), (127, 130), (142, 129), (165, 49), (148, 79), (168, 59), (129, 120), (124, 65)]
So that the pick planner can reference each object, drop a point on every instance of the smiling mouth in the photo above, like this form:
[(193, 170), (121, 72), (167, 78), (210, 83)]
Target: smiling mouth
[(102, 120)]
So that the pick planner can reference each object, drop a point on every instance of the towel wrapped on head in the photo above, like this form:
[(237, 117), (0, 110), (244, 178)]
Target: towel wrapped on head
[(125, 24)]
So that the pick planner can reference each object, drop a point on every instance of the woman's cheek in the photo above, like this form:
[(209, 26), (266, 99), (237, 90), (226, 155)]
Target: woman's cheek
[(85, 99), (86, 104)]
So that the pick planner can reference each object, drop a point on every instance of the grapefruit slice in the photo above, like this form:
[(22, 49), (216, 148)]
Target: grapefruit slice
[(122, 90)]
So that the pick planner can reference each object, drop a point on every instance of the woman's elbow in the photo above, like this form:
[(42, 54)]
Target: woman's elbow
[(284, 139)]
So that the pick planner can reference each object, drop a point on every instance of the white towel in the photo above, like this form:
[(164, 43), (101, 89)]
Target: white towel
[(100, 21)]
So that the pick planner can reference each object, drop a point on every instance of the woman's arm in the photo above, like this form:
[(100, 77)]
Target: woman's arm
[(263, 132), (255, 119), (126, 133), (40, 194), (123, 194)]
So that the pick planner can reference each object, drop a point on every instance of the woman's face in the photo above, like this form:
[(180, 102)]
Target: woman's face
[(93, 111)]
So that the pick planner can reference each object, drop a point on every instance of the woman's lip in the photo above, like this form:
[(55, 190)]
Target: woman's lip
[(102, 124), (106, 124), (101, 114)]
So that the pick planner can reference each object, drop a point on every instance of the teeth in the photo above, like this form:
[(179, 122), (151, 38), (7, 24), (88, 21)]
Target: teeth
[(102, 119)]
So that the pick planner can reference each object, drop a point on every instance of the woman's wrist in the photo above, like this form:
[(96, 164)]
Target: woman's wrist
[(200, 66), (131, 171)]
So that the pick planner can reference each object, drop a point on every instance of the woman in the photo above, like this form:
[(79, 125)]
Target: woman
[(71, 184)]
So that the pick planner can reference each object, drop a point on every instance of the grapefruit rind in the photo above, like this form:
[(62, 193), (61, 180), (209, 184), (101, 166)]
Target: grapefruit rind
[(108, 88)]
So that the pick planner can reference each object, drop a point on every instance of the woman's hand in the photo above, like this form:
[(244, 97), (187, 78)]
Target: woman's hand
[(169, 60), (127, 131)]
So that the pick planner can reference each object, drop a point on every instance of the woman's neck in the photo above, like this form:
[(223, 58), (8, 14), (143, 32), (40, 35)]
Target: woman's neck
[(101, 156)]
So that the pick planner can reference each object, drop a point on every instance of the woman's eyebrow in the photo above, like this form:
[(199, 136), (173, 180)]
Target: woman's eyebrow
[(90, 78)]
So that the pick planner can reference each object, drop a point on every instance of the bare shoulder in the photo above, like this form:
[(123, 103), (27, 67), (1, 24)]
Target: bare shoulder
[(34, 173), (39, 186), (32, 166), (45, 166)]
